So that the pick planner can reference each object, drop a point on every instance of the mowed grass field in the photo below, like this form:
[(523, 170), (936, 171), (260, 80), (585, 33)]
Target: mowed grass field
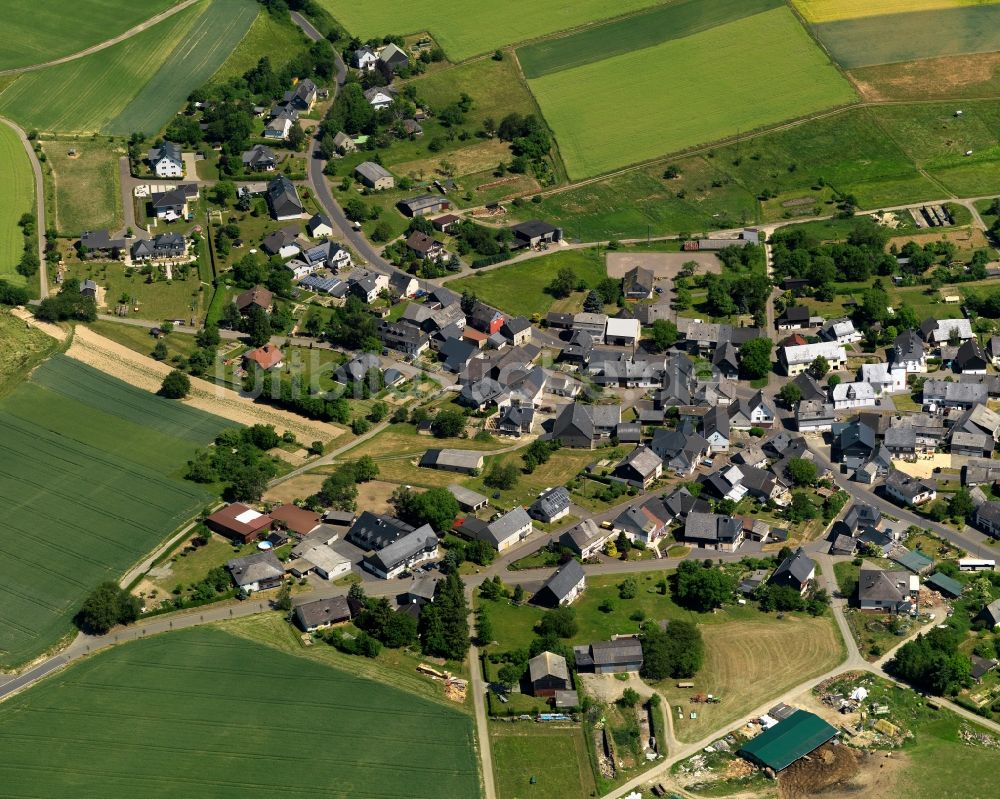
[(556, 757), (90, 482), (87, 191), (963, 76), (205, 713), (674, 20), (891, 38), (466, 29), (830, 10), (531, 277), (739, 77), (83, 96), (37, 31), (204, 48), (17, 196)]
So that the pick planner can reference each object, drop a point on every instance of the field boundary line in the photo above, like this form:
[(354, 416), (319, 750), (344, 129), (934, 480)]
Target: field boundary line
[(105, 44)]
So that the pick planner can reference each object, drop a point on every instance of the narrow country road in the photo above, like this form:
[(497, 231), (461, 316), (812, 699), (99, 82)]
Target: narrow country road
[(121, 37), (36, 167)]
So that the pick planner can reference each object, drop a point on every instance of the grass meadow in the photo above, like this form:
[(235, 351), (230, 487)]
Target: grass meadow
[(204, 48), (87, 191), (556, 757), (24, 347), (848, 151), (466, 29), (282, 40), (674, 20), (17, 195), (891, 38), (37, 31), (95, 487), (205, 713), (531, 277), (83, 96), (736, 77)]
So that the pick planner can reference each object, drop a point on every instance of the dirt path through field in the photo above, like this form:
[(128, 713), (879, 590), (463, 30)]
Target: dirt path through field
[(118, 361), (52, 330)]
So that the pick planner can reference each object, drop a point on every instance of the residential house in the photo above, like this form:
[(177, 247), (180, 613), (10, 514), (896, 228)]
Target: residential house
[(853, 443), (487, 319), (797, 359), (369, 286), (534, 233), (453, 460), (814, 416), (586, 539), (374, 176), (883, 377), (323, 561), (548, 673), (162, 247), (563, 321), (839, 331), (322, 613), (794, 317), (364, 58), (172, 205), (908, 353), (372, 531), (344, 143), (937, 332), (645, 521), (380, 97), (977, 445), (412, 549), (680, 449), (726, 360), (392, 58), (167, 161), (516, 329), (888, 591), (265, 358), (713, 531), (585, 426), (563, 587), (283, 242), (99, 242), (941, 394), (257, 572), (423, 205), (754, 412), (283, 199), (552, 504), (853, 395), (426, 247), (638, 283), (681, 502), (279, 126), (593, 324), (640, 468), (402, 338), (319, 226), (507, 530), (456, 354), (259, 158), (809, 387), (987, 518), (620, 655), (257, 297), (970, 360), (796, 571), (907, 490), (715, 429), (357, 369), (993, 350), (302, 97)]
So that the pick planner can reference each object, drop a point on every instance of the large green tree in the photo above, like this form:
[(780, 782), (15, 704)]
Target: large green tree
[(755, 357)]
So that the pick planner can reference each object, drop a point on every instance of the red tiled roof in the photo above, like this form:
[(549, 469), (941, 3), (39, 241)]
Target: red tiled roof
[(266, 357)]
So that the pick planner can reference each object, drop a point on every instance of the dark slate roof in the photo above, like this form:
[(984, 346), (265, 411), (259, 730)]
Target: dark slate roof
[(564, 580), (283, 197), (796, 566), (551, 501)]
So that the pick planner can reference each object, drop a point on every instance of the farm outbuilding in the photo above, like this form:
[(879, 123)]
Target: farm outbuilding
[(787, 741)]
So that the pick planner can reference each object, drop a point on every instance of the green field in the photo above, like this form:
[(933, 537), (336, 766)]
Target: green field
[(740, 76), (90, 483), (281, 39), (205, 47), (87, 191), (86, 94), (37, 31), (205, 713), (531, 277), (890, 38), (24, 347), (674, 20), (17, 195), (556, 757), (466, 29)]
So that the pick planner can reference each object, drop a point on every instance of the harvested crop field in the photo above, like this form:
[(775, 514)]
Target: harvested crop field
[(466, 29), (892, 38), (37, 31), (201, 713), (830, 10), (121, 362), (965, 77), (90, 484), (17, 195), (603, 117), (674, 20), (749, 662)]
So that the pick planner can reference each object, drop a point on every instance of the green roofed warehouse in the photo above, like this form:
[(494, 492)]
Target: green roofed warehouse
[(788, 740)]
